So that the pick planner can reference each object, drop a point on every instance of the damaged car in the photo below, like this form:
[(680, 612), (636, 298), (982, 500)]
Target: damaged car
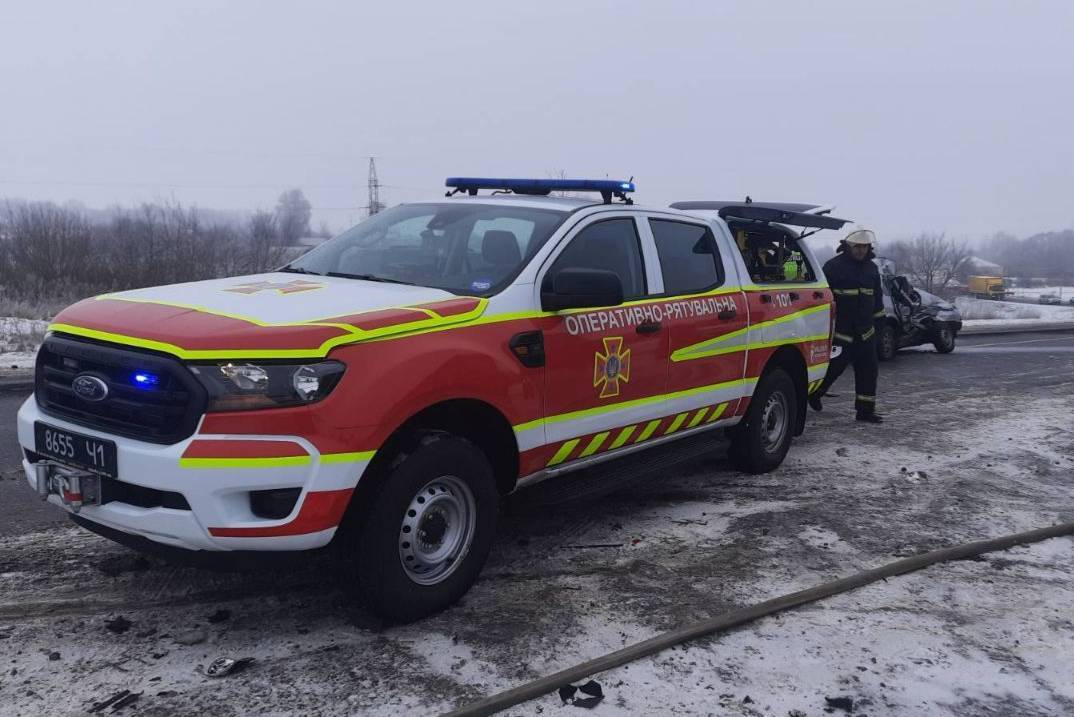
[(913, 317)]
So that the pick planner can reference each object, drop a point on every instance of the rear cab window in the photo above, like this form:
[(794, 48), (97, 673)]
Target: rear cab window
[(773, 255)]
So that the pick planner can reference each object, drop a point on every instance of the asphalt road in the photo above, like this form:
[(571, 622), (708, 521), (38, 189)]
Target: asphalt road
[(1032, 360)]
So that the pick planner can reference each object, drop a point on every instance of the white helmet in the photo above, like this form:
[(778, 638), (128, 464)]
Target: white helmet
[(861, 236)]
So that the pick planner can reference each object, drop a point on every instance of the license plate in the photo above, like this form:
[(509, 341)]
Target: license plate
[(75, 449)]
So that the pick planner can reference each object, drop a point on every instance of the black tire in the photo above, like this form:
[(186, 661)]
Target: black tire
[(885, 342), (374, 546), (944, 340), (752, 449)]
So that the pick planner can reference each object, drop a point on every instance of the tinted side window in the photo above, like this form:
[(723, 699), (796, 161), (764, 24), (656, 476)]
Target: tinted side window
[(611, 245), (689, 258)]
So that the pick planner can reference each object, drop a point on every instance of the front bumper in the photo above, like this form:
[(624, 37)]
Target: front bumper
[(217, 490)]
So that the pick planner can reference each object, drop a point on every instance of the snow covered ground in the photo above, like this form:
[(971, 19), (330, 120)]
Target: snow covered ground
[(18, 341), (1065, 292), (986, 309)]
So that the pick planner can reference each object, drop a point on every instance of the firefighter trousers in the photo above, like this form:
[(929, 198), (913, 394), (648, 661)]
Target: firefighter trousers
[(866, 370)]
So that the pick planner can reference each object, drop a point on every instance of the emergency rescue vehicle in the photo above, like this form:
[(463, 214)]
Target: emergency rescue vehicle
[(383, 391)]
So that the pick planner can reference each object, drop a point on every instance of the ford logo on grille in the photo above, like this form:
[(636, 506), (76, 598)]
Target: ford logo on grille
[(89, 388)]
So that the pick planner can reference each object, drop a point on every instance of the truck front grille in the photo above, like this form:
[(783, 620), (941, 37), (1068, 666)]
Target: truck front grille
[(166, 412)]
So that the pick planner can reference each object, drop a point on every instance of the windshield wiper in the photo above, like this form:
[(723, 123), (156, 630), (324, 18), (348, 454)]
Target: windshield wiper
[(369, 277), (299, 270)]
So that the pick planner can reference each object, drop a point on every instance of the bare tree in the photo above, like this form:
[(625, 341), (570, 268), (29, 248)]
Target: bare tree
[(931, 260), (265, 251), (293, 212)]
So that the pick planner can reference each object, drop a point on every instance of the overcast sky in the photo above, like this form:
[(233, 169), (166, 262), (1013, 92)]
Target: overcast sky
[(940, 116)]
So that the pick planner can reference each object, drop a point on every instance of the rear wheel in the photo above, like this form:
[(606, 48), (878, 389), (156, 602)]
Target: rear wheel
[(944, 339), (885, 342), (422, 537), (760, 443)]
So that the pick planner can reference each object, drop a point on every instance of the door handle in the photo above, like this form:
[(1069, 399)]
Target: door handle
[(766, 298), (795, 296), (818, 294), (649, 327), (727, 315)]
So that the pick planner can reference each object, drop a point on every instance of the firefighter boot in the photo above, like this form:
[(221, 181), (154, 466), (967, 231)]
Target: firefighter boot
[(869, 417), (814, 401)]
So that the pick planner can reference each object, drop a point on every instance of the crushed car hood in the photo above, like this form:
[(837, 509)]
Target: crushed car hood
[(274, 315)]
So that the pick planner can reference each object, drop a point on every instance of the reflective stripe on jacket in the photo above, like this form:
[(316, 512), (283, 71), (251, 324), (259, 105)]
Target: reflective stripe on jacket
[(859, 299)]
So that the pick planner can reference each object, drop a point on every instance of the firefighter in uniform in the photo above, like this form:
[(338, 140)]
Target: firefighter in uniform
[(859, 303)]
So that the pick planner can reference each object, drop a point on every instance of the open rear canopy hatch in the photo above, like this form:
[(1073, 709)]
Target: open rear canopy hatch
[(796, 215)]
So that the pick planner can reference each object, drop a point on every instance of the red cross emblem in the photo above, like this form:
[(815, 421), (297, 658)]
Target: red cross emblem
[(288, 287), (611, 367)]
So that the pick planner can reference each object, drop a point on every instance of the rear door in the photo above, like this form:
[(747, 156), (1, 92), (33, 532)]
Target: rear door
[(706, 314)]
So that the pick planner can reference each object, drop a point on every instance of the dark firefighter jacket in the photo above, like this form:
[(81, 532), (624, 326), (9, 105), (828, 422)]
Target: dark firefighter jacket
[(859, 300)]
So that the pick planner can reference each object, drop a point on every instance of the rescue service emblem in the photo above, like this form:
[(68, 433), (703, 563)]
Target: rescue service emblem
[(611, 367), (288, 287)]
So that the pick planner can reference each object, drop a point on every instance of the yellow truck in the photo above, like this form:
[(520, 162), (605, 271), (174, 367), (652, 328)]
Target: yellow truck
[(988, 287)]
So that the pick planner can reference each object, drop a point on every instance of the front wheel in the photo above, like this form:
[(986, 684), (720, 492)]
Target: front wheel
[(944, 340), (422, 538), (760, 443)]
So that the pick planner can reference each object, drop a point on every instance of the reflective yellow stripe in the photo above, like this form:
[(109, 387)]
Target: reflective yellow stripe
[(868, 334), (844, 337), (281, 462), (650, 429), (845, 292), (867, 399), (612, 407), (565, 450), (347, 457), (697, 417), (693, 351), (878, 314), (595, 444), (718, 412), (676, 423), (622, 438), (867, 292)]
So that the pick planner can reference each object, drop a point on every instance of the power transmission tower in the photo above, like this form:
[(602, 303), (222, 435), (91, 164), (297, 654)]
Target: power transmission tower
[(374, 205)]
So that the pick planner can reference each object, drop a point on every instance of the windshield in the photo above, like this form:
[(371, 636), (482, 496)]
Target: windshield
[(470, 249)]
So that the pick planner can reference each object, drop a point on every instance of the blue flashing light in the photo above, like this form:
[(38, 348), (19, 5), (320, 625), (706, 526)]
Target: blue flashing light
[(145, 380), (608, 188)]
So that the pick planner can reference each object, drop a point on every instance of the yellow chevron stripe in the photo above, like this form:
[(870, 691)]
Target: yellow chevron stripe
[(595, 444), (622, 438), (676, 423), (697, 417), (718, 412), (650, 429), (565, 450)]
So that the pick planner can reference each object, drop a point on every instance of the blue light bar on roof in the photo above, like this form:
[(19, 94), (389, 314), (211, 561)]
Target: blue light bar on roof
[(541, 187)]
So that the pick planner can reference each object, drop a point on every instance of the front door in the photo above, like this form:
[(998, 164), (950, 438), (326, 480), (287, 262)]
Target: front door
[(605, 366)]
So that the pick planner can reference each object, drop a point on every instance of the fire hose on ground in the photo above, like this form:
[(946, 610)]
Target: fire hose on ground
[(735, 618)]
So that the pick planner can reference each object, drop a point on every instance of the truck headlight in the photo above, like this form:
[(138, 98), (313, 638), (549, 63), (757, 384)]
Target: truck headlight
[(244, 386)]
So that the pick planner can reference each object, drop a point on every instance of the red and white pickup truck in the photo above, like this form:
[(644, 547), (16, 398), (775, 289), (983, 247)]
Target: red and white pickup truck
[(385, 390)]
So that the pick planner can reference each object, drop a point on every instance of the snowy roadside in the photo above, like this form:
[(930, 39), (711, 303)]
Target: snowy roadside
[(983, 316), (18, 344)]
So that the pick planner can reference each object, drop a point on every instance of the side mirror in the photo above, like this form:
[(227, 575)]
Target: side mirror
[(582, 289)]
